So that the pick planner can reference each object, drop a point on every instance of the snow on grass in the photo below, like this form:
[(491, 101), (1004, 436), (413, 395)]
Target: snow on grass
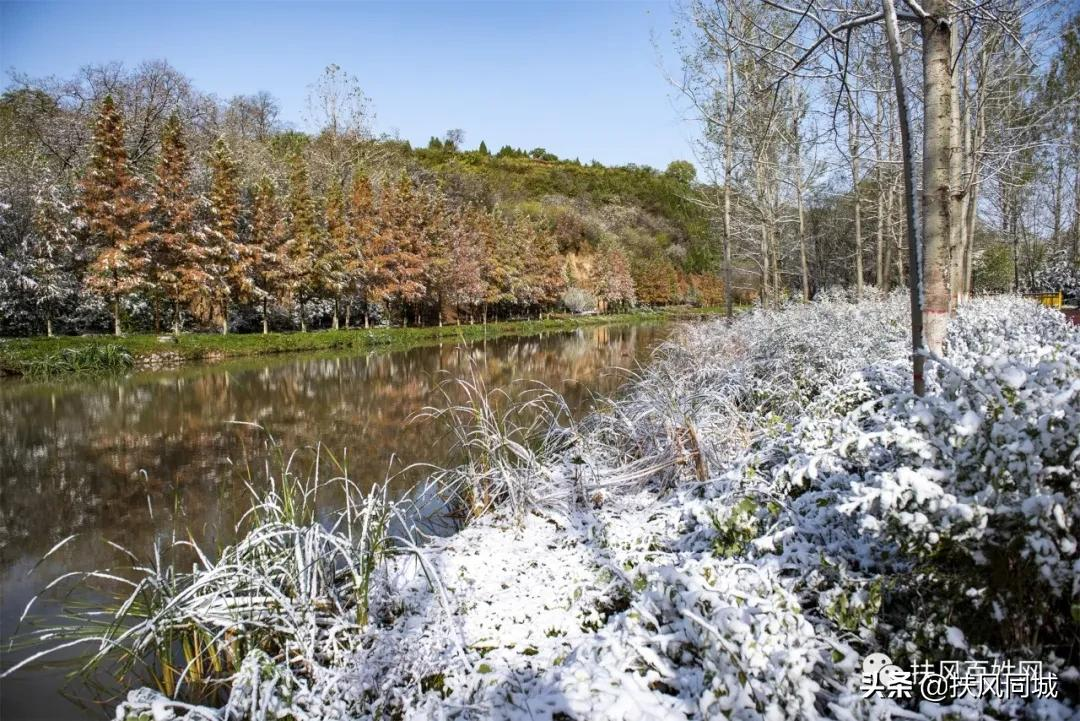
[(766, 505)]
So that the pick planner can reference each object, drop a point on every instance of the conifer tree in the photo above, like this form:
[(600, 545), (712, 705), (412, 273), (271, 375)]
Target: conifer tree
[(267, 271), (334, 255), (503, 267), (49, 276), (483, 149), (438, 240), (611, 278), (361, 216), (302, 249), (176, 260), (397, 257), (227, 262), (114, 214), (544, 266), (464, 282)]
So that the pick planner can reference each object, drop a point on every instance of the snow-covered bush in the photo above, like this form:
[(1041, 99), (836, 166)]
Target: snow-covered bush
[(578, 300), (1058, 272), (928, 528)]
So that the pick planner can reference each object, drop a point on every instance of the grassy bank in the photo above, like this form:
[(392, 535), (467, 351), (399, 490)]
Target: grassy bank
[(72, 355)]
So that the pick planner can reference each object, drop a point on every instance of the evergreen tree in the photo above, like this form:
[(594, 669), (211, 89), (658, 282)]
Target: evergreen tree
[(267, 271), (302, 245), (176, 261), (483, 149), (227, 261), (115, 216)]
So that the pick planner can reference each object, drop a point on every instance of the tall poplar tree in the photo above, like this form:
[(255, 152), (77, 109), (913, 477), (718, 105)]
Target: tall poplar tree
[(114, 214)]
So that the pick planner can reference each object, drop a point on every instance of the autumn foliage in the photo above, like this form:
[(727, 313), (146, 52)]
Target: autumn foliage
[(193, 241)]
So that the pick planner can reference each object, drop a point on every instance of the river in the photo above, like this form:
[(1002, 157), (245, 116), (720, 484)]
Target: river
[(133, 459)]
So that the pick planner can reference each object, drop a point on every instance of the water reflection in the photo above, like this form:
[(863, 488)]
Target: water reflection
[(95, 458)]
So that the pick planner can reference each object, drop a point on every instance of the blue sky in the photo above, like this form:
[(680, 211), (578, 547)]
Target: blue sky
[(581, 79)]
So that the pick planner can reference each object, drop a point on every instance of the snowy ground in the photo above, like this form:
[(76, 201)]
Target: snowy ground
[(805, 511)]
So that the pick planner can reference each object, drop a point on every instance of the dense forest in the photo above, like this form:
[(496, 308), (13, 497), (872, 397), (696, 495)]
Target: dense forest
[(134, 202)]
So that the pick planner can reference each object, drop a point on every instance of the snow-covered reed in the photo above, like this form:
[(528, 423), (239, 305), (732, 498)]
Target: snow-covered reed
[(508, 445), (272, 613)]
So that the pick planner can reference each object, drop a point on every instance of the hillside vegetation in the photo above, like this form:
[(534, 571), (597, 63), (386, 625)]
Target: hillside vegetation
[(129, 208)]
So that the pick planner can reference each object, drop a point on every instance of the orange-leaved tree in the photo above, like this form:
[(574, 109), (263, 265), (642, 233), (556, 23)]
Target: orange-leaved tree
[(114, 214)]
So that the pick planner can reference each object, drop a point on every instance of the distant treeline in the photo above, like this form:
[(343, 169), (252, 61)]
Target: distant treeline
[(153, 207)]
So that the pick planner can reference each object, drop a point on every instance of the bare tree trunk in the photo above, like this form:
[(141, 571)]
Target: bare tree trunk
[(265, 319), (765, 292), (48, 326), (892, 33), (224, 319), (803, 264), (879, 174), (937, 171), (729, 164), (956, 159), (853, 149), (978, 134), (116, 315), (1057, 200), (337, 304), (1074, 251)]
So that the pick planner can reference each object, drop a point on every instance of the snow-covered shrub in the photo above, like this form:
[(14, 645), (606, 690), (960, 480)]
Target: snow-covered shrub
[(1058, 272), (964, 503), (939, 527), (710, 391), (578, 300)]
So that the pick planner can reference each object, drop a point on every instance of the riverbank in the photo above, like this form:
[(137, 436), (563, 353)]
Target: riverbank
[(765, 507), (52, 357)]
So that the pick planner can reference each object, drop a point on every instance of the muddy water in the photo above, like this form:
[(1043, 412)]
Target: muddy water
[(133, 459)]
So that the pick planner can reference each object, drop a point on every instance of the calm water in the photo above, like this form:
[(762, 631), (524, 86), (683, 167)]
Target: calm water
[(132, 459)]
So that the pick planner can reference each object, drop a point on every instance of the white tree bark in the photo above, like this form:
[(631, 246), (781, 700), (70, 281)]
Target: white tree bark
[(938, 138)]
